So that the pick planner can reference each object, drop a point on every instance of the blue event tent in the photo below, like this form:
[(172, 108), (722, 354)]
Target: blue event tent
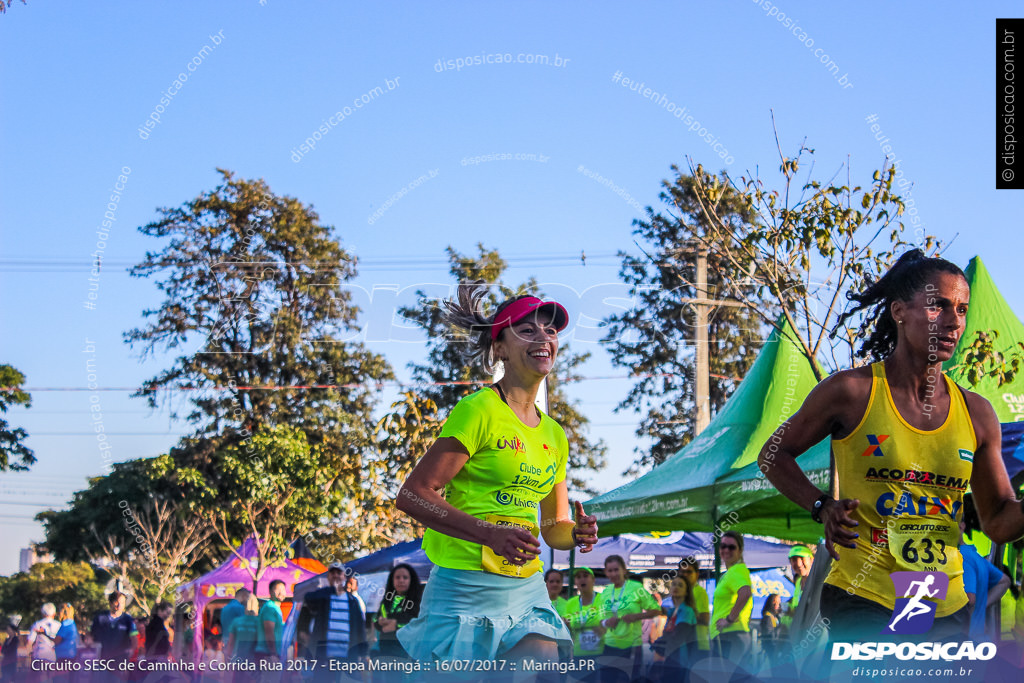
[(663, 550)]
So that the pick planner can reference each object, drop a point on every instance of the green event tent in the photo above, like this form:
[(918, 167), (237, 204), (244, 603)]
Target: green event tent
[(989, 311), (714, 479)]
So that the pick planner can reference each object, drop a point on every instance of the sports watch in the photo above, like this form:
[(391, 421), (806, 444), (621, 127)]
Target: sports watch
[(819, 506)]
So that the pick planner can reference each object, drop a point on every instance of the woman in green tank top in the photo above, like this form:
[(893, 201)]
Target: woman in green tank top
[(915, 316), (498, 462)]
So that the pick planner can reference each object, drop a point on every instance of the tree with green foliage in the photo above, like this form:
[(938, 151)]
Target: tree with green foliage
[(446, 377), (254, 296), (275, 487), (791, 251), (804, 246), (654, 338), (14, 454), (134, 520), (75, 583), (404, 435)]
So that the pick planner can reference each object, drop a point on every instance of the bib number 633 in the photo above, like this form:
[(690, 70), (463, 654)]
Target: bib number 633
[(923, 550)]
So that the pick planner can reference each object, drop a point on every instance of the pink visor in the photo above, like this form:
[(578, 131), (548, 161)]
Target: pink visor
[(519, 309)]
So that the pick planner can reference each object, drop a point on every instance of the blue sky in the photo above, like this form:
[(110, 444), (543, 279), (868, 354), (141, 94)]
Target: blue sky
[(82, 78)]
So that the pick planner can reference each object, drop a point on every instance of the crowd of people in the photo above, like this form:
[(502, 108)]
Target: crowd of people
[(55, 645), (494, 481)]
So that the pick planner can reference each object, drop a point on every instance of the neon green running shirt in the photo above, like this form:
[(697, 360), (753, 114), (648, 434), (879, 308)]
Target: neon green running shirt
[(511, 468)]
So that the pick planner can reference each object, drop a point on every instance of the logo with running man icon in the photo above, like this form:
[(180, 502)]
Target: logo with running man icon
[(917, 594)]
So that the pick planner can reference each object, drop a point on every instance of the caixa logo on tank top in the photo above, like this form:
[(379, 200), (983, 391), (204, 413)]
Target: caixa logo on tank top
[(898, 503), (875, 445)]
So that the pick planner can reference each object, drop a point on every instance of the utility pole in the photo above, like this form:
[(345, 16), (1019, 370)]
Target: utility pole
[(702, 306)]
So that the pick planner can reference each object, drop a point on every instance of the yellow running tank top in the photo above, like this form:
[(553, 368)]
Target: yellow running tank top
[(910, 483)]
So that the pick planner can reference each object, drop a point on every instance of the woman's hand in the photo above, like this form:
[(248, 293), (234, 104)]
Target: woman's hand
[(722, 624), (516, 545), (585, 531), (611, 622), (387, 625), (835, 514)]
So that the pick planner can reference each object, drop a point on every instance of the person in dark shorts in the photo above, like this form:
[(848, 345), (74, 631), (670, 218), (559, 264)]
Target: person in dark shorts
[(907, 443)]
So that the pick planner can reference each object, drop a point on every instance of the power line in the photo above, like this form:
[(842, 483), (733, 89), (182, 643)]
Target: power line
[(354, 385), (370, 264)]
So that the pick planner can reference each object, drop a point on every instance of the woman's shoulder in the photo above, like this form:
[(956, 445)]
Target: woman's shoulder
[(848, 384), (482, 396), (739, 570)]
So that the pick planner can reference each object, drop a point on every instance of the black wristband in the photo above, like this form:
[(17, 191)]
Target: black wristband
[(819, 505)]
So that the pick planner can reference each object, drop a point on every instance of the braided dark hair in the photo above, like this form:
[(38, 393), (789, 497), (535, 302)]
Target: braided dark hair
[(901, 282)]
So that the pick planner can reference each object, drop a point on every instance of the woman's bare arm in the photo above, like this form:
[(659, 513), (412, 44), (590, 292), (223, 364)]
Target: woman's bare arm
[(829, 408), (1000, 512), (420, 498)]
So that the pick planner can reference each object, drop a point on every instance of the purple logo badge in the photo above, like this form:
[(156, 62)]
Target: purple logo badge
[(916, 597)]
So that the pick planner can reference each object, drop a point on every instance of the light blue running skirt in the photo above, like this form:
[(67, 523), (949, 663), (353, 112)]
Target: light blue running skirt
[(478, 615)]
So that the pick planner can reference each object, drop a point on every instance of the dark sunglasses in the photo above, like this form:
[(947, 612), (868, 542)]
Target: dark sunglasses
[(728, 547)]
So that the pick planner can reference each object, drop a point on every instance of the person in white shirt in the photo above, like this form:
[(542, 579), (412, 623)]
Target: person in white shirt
[(41, 637)]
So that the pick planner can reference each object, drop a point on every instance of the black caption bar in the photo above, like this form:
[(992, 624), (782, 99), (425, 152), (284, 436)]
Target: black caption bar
[(1009, 152)]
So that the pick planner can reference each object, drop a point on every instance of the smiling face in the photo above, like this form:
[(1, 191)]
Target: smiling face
[(401, 580), (554, 584), (615, 572), (730, 551), (528, 347), (800, 565), (931, 323)]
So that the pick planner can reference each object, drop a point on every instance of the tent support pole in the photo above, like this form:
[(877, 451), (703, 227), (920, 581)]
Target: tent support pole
[(572, 569), (716, 537)]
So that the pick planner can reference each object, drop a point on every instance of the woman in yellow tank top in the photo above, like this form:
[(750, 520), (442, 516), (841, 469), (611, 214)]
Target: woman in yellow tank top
[(907, 443)]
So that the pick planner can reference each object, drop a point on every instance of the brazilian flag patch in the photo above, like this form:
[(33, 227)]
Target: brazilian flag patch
[(966, 455)]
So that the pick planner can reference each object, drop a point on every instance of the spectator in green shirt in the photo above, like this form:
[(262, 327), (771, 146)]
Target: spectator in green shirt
[(582, 614), (243, 632), (553, 580), (625, 604), (800, 560), (730, 618), (689, 569), (271, 622)]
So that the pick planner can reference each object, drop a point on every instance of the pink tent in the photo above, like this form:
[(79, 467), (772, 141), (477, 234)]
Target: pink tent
[(215, 588)]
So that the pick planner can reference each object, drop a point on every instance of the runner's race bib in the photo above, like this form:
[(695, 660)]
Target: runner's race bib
[(589, 640), (495, 564), (923, 543)]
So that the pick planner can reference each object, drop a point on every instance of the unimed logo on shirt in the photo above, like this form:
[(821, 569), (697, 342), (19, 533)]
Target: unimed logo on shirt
[(515, 444)]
